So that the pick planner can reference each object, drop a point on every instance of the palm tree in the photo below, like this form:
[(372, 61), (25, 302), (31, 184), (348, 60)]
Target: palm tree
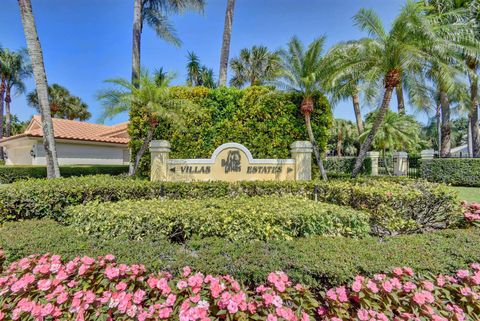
[(254, 67), (3, 85), (62, 103), (227, 34), (17, 69), (342, 131), (156, 101), (36, 57), (397, 132), (301, 73), (390, 56), (155, 14), (197, 74), (347, 87)]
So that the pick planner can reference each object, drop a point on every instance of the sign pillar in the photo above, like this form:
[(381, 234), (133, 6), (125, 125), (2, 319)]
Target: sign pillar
[(400, 164), (302, 154), (374, 156), (160, 151)]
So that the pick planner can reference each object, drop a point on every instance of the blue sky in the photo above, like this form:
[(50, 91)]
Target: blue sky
[(87, 41)]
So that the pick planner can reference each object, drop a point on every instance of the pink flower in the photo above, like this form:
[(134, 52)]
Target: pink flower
[(372, 286), (363, 315), (110, 257), (186, 271), (271, 317), (112, 272), (463, 274), (387, 286), (356, 286)]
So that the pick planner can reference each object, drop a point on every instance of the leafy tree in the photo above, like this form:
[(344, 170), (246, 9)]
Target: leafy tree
[(157, 102), (301, 69), (254, 67), (155, 14), (227, 34), (62, 103), (198, 74), (15, 68), (36, 57)]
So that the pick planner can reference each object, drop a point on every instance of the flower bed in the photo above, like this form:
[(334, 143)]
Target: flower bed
[(44, 287), (240, 218), (317, 261)]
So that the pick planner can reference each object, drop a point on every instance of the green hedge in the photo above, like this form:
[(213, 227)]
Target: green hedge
[(266, 121), (345, 165), (315, 261), (454, 171), (240, 218), (397, 206), (10, 174)]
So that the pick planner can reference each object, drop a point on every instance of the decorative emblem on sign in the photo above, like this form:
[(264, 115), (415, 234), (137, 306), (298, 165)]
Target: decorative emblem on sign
[(232, 163)]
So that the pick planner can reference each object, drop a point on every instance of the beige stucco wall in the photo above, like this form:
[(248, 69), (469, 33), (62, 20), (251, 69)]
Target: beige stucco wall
[(84, 154), (19, 153), (69, 153)]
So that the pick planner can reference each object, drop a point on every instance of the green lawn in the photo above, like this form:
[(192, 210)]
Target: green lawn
[(469, 194)]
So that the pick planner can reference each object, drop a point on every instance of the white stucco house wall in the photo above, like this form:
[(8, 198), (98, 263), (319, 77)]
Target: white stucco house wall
[(78, 143)]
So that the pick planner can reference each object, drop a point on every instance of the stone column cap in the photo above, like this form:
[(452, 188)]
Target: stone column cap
[(400, 154), (303, 146), (373, 154), (160, 146)]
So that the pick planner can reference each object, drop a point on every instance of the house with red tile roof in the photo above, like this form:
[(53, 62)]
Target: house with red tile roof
[(78, 143)]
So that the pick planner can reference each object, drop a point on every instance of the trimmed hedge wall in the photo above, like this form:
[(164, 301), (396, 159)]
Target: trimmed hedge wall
[(397, 206), (345, 165), (454, 171), (314, 261), (10, 174), (240, 218), (266, 121)]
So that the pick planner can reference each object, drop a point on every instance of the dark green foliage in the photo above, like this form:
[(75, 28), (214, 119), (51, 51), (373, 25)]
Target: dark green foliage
[(454, 171), (345, 165), (10, 174), (315, 261), (240, 218), (397, 206), (264, 120)]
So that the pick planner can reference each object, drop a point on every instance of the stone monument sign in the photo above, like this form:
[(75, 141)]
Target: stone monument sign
[(230, 162)]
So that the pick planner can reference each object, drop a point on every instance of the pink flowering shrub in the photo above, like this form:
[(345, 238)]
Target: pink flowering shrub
[(472, 213), (45, 288)]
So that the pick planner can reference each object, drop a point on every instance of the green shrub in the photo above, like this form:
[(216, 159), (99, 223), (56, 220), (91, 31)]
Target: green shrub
[(315, 261), (397, 206), (37, 198), (454, 171), (345, 165), (10, 174), (266, 121), (240, 218)]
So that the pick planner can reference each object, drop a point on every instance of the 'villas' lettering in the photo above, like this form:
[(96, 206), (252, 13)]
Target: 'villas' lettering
[(195, 169)]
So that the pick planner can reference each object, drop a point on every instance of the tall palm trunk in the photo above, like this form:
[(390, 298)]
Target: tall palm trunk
[(316, 151), (387, 97), (137, 37), (438, 116), (400, 99), (36, 57), (8, 115), (2, 94), (142, 151), (339, 144), (473, 115), (446, 126), (227, 34), (356, 109)]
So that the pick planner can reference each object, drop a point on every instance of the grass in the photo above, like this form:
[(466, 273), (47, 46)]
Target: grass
[(469, 194)]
